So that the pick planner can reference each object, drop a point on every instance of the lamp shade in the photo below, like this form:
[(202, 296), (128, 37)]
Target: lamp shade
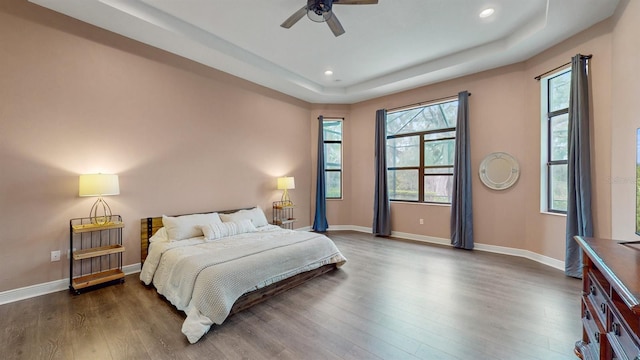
[(286, 182), (98, 185)]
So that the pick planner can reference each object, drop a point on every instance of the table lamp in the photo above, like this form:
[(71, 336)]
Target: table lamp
[(285, 183), (99, 185)]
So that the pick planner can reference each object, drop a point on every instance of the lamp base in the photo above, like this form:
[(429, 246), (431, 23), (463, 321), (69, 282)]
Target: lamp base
[(105, 217), (286, 201)]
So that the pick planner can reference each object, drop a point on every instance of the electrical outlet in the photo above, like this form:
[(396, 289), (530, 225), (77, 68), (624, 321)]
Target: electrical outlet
[(421, 221), (55, 255)]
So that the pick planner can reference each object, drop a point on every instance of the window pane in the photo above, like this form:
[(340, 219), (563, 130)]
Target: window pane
[(439, 170), (556, 91), (558, 187), (440, 135), (441, 152), (333, 156), (427, 118), (420, 164), (404, 151), (559, 89), (333, 188), (332, 130), (559, 137), (438, 188), (403, 184)]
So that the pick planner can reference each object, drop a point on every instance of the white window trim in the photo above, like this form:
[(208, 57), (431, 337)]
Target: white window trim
[(341, 120), (544, 140)]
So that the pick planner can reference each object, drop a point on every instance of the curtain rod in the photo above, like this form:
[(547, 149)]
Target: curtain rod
[(560, 67), (423, 103)]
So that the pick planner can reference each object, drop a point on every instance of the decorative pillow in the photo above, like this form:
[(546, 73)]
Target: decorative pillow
[(160, 236), (188, 226), (225, 229), (256, 215)]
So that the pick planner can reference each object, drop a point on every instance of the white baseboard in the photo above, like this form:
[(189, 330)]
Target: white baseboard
[(132, 269), (27, 292), (63, 284), (542, 259), (349, 227)]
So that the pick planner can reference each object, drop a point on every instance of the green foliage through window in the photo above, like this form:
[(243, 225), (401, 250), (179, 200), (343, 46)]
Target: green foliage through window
[(556, 117), (332, 133), (421, 152)]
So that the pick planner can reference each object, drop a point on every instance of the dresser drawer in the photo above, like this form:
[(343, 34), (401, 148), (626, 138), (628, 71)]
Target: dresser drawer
[(594, 329), (598, 298), (624, 343)]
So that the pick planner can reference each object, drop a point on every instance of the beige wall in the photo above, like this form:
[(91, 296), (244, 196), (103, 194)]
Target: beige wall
[(545, 233), (504, 116), (183, 138), (496, 120), (625, 119)]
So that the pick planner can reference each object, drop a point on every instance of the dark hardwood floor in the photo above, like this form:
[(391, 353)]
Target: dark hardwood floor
[(391, 300)]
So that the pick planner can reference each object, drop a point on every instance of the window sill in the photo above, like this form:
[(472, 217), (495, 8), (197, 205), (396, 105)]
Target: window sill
[(419, 204), (553, 213)]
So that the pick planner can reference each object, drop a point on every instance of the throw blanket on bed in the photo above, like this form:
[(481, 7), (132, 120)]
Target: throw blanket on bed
[(204, 279)]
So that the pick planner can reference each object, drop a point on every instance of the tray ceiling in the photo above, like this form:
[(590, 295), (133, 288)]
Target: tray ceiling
[(389, 47)]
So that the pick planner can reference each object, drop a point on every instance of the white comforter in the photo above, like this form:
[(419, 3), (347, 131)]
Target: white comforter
[(204, 279)]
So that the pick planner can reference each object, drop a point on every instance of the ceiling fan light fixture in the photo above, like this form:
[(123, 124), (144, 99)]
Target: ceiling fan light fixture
[(319, 10), (319, 18)]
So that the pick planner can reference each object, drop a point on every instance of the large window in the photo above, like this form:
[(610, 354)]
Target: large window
[(333, 157), (555, 141), (420, 152)]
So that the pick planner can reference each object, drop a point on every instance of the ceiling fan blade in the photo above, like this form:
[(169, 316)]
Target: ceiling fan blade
[(334, 25), (294, 18), (355, 2)]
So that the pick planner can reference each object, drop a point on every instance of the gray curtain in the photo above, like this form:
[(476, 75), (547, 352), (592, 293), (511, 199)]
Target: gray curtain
[(320, 223), (461, 202), (381, 206), (579, 217)]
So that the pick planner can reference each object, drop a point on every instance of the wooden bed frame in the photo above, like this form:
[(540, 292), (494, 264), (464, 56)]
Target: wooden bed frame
[(149, 226)]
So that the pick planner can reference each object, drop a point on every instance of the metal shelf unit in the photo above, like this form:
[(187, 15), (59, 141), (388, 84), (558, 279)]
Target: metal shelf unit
[(95, 255), (283, 214)]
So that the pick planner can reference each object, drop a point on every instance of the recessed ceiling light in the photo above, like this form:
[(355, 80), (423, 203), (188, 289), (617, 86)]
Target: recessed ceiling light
[(328, 72), (486, 12)]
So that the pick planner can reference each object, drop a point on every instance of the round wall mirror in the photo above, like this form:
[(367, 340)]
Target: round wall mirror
[(499, 171)]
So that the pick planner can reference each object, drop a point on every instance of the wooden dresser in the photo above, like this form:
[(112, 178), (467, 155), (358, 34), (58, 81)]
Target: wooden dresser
[(610, 301)]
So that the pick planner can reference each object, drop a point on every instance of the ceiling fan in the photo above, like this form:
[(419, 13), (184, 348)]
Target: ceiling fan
[(321, 11)]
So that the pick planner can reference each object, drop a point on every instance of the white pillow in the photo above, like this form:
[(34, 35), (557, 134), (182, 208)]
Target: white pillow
[(225, 229), (256, 215), (188, 226), (160, 236)]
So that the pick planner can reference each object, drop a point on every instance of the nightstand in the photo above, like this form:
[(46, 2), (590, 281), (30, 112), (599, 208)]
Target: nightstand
[(95, 255), (283, 214)]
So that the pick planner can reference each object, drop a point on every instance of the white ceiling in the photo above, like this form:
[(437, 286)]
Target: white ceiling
[(389, 47)]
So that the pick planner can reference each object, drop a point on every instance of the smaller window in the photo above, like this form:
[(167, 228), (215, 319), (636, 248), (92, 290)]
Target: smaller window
[(333, 157), (555, 140)]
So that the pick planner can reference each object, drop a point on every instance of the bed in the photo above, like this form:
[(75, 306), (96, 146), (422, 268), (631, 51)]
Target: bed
[(211, 265)]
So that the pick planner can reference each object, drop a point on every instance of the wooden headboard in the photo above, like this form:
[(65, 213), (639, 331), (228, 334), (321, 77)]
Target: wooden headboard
[(149, 226)]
